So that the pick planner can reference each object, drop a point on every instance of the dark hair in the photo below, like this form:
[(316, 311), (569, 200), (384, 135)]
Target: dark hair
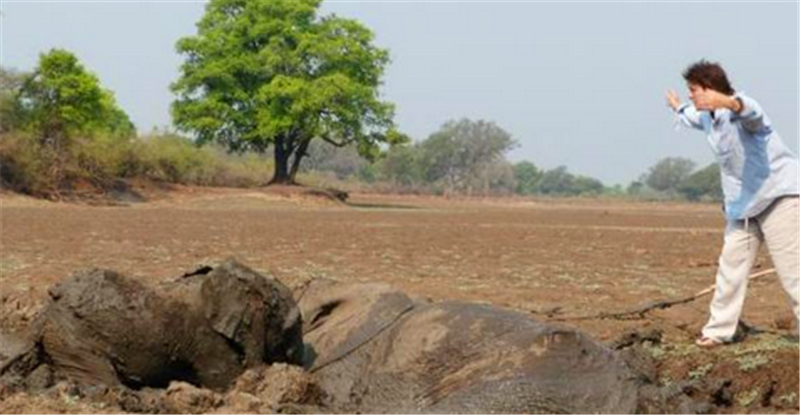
[(708, 75)]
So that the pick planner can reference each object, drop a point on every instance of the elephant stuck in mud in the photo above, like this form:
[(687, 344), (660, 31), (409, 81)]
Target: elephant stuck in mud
[(364, 347), (99, 327), (373, 349)]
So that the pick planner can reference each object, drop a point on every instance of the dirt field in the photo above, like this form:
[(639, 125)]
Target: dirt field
[(552, 258)]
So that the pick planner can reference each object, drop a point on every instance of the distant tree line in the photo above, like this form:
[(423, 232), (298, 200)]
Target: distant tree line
[(57, 124), (675, 177), (270, 88), (469, 158)]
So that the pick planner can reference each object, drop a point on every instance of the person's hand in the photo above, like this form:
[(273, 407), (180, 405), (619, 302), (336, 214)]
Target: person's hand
[(710, 100), (672, 100)]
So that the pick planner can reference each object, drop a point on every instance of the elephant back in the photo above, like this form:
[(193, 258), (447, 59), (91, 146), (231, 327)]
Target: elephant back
[(471, 358)]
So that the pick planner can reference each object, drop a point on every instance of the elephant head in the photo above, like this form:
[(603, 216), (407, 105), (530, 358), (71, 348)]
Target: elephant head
[(339, 318), (379, 351)]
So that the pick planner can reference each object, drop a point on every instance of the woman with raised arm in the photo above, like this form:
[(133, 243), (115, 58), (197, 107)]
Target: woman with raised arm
[(760, 186)]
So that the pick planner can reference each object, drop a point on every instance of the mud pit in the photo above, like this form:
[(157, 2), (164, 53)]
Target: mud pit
[(547, 258), (368, 348)]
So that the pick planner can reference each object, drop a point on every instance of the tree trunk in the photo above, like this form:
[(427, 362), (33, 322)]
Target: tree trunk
[(281, 175), (298, 156)]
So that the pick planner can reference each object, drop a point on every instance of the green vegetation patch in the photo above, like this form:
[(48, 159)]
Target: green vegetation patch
[(747, 398), (701, 371), (751, 362)]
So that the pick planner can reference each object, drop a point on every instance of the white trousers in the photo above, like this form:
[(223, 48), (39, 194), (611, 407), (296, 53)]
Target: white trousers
[(778, 227)]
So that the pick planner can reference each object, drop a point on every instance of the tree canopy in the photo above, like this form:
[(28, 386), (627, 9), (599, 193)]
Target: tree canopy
[(274, 73), (61, 99)]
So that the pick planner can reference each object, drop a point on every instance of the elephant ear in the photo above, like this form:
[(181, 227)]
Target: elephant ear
[(250, 310), (339, 318), (245, 307), (226, 303)]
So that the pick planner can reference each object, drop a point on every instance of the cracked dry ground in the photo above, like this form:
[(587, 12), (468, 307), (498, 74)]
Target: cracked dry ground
[(551, 258)]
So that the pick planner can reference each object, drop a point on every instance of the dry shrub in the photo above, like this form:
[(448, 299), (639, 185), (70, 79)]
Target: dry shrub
[(101, 159), (26, 166), (171, 159), (241, 170), (177, 160)]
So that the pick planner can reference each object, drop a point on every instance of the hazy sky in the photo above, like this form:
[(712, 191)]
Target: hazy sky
[(579, 84)]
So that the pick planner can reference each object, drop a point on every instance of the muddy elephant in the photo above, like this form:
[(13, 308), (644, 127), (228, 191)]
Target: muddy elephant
[(206, 328), (374, 349)]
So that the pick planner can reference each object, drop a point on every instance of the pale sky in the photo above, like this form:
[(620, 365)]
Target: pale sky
[(579, 84)]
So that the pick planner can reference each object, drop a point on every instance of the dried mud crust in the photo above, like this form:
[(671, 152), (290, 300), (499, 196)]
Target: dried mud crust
[(279, 388), (755, 374), (546, 257)]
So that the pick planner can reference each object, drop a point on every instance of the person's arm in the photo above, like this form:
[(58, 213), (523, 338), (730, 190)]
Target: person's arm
[(687, 113), (751, 114), (711, 100), (743, 108)]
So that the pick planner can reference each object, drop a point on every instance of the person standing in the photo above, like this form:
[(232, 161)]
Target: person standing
[(759, 177)]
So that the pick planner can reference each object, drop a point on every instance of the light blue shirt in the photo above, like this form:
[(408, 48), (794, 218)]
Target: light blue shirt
[(755, 165)]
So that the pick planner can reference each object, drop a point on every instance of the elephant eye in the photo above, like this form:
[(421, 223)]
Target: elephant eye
[(324, 311)]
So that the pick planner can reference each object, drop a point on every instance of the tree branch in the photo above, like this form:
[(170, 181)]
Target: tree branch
[(329, 140)]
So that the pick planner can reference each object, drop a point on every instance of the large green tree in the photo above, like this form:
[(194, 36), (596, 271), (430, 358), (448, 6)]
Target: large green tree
[(63, 110), (61, 99), (274, 73)]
